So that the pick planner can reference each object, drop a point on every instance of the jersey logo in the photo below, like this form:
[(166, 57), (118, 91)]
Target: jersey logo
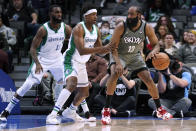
[(132, 40), (51, 39), (87, 39)]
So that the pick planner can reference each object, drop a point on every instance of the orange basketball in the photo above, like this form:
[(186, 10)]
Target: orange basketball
[(161, 61)]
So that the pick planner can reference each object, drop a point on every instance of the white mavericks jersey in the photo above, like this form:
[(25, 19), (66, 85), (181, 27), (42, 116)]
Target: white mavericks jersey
[(89, 40), (50, 47)]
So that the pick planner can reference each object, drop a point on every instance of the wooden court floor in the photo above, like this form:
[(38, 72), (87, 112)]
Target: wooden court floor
[(37, 123)]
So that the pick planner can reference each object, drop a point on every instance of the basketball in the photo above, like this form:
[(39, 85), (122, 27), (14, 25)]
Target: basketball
[(161, 61)]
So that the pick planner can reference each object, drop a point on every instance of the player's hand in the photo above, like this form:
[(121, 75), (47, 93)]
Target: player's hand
[(38, 69), (151, 54), (109, 47), (119, 69), (166, 72)]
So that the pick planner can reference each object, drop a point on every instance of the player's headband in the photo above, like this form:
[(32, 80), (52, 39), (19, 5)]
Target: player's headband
[(90, 11)]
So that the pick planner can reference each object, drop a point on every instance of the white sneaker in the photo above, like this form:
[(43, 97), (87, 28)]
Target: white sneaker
[(68, 113), (52, 119), (91, 119)]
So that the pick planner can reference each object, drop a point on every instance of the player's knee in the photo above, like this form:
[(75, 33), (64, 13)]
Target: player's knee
[(25, 87), (71, 86)]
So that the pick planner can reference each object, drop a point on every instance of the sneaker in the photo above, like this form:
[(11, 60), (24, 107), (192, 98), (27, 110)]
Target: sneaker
[(89, 118), (179, 114), (131, 113), (154, 114), (4, 115), (52, 119), (68, 113), (106, 116), (162, 113)]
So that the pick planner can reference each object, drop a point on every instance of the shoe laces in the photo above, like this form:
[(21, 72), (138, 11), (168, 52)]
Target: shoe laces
[(162, 111)]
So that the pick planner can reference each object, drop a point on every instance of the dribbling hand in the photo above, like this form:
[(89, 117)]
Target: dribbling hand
[(151, 55)]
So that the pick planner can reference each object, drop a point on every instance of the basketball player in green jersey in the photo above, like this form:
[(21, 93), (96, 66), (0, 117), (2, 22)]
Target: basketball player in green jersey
[(84, 41), (128, 37), (46, 53)]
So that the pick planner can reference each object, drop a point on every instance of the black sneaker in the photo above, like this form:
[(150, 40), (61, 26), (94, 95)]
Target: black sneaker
[(179, 114), (87, 115), (4, 115), (154, 114), (89, 118)]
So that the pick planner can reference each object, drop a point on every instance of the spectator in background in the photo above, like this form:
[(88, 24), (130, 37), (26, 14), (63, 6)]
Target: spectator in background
[(184, 39), (162, 31), (8, 32), (4, 65), (120, 8), (42, 6), (9, 39), (96, 70), (123, 101), (105, 32), (183, 4), (173, 85), (170, 44), (156, 9), (18, 11), (105, 36), (187, 52), (165, 20)]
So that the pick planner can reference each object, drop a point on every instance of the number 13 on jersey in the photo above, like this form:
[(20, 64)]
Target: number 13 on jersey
[(131, 49)]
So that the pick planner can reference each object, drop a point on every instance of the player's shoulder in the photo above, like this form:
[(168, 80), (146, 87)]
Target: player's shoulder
[(120, 24), (79, 27)]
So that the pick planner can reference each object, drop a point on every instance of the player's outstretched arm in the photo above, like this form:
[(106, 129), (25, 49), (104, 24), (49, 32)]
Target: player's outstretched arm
[(118, 31), (78, 34), (35, 44), (153, 41)]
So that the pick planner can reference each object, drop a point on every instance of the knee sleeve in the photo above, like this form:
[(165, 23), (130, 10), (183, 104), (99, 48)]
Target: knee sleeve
[(26, 86)]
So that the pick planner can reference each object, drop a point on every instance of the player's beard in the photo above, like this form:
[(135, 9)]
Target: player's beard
[(132, 22), (56, 20)]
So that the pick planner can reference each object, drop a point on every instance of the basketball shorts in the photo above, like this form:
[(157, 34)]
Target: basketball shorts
[(78, 70), (55, 67), (134, 63)]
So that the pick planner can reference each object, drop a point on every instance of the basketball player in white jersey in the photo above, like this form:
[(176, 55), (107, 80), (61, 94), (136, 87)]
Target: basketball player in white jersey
[(84, 41), (46, 54)]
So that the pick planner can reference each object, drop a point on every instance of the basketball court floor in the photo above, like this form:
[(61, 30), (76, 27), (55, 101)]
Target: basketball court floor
[(145, 123)]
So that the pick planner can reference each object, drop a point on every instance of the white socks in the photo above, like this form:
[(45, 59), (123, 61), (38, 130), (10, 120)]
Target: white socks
[(12, 103), (84, 106), (64, 95), (72, 107)]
